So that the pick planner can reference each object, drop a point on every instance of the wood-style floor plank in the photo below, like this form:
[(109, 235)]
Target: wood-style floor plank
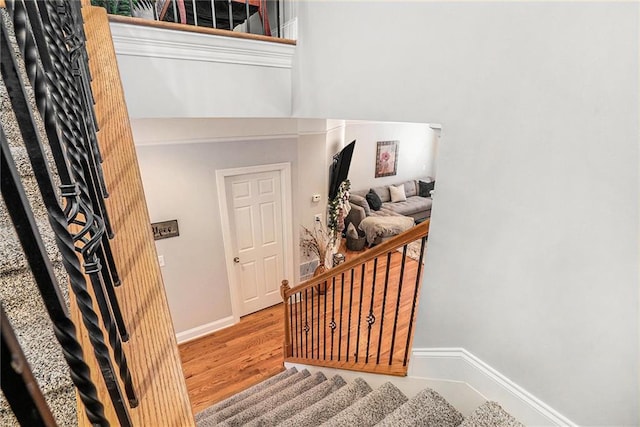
[(233, 359)]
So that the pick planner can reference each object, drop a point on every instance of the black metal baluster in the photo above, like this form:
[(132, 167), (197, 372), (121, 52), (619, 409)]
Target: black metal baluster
[(312, 340), (324, 342), (414, 302), (18, 383), (65, 331), (57, 218), (395, 320), (332, 325), (229, 5), (300, 319), (56, 113), (291, 336), (350, 306), (384, 303), (294, 325), (93, 229), (306, 326), (371, 318), (318, 328), (341, 309), (360, 311)]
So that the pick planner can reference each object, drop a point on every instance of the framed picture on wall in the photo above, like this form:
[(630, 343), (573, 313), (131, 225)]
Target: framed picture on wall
[(386, 158)]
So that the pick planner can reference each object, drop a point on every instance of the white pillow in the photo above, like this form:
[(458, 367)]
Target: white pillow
[(397, 193)]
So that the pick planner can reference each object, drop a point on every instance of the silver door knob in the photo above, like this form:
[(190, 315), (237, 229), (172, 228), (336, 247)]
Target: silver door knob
[(236, 260)]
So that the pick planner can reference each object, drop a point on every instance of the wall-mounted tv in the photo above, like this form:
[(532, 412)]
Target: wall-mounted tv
[(339, 168)]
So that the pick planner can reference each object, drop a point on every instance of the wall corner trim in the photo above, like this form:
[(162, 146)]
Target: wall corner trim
[(149, 42), (458, 364), (206, 329)]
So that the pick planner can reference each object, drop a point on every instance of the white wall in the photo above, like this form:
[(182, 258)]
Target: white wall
[(415, 151), (180, 183), (533, 255), (182, 74)]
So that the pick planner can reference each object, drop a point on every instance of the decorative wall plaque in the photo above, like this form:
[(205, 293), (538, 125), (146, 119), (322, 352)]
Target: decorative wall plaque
[(165, 229)]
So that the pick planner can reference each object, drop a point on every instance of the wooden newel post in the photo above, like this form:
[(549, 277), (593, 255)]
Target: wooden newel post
[(287, 326)]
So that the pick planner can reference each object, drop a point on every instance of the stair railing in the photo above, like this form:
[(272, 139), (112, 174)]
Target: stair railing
[(360, 314), (50, 38)]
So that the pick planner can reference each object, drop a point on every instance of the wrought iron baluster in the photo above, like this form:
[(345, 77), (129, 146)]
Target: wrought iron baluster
[(17, 381), (341, 309), (414, 302), (65, 331), (324, 330), (300, 319), (318, 326), (60, 129), (230, 15), (312, 341), (395, 320), (384, 303), (360, 310), (350, 307), (332, 325), (291, 321), (306, 325), (371, 318), (27, 124)]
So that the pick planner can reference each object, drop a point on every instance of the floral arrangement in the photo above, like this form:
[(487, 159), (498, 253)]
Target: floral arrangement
[(338, 209), (316, 242)]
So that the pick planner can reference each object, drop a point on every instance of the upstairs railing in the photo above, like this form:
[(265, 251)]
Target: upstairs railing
[(251, 17), (360, 314)]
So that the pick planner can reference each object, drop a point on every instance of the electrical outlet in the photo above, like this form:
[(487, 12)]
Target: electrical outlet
[(317, 218), (161, 260)]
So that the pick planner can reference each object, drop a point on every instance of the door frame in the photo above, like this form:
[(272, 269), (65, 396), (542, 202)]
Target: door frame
[(287, 220)]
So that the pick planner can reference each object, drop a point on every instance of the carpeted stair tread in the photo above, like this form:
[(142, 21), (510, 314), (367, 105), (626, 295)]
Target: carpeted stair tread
[(490, 414), (274, 401), (258, 397), (12, 257), (298, 403), (427, 408), (331, 405), (370, 409), (232, 400)]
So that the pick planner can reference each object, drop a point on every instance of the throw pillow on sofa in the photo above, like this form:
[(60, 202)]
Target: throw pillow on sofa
[(374, 200), (425, 188), (397, 193)]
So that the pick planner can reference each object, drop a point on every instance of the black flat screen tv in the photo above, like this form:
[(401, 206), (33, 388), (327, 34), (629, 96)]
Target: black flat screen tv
[(339, 169)]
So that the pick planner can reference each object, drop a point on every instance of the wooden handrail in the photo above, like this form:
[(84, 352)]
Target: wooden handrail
[(415, 233)]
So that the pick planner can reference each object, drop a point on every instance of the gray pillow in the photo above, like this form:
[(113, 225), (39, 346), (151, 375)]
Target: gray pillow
[(374, 200)]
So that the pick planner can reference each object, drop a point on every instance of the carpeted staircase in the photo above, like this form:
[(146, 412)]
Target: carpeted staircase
[(294, 398), (19, 294)]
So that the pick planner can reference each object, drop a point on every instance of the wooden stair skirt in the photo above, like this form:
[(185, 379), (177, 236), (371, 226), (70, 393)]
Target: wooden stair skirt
[(152, 349)]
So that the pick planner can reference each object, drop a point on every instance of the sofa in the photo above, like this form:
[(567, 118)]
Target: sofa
[(415, 206)]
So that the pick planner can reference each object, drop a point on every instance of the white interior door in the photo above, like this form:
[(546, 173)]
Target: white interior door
[(255, 206)]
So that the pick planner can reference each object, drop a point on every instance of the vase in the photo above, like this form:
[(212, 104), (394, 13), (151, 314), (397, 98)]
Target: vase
[(321, 288)]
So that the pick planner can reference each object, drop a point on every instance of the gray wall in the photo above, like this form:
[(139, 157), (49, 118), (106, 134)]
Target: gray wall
[(533, 256), (180, 183), (415, 152)]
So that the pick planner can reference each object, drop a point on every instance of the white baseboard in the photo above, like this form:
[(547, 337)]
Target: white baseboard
[(206, 329), (457, 364)]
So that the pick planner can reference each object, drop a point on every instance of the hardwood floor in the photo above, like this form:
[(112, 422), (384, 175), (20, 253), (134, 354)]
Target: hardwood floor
[(231, 360)]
